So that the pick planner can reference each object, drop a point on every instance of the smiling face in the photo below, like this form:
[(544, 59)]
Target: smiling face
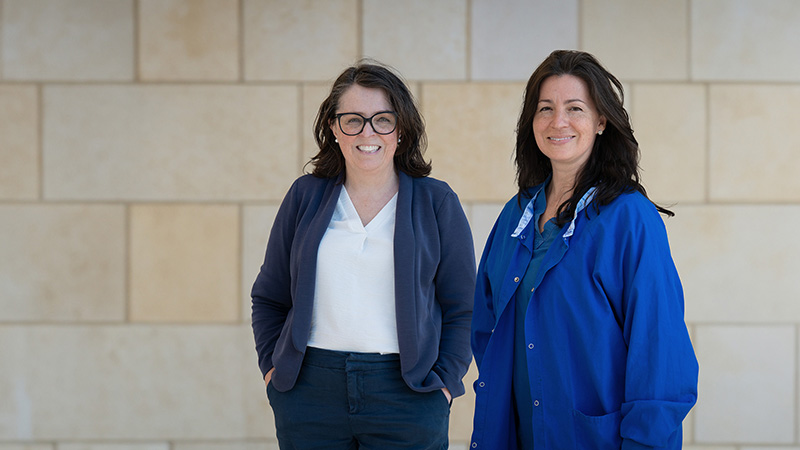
[(367, 153), (566, 122)]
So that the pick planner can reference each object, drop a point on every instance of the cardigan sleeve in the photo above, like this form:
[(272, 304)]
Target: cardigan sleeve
[(271, 292), (454, 284), (661, 367)]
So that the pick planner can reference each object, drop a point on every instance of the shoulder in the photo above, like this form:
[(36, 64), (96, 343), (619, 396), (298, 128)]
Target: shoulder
[(309, 186), (514, 208), (632, 206), (428, 199), (431, 186), (310, 182), (307, 191), (427, 192), (630, 214)]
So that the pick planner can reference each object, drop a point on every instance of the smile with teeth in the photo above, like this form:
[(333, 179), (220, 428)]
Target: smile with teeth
[(560, 139), (368, 148)]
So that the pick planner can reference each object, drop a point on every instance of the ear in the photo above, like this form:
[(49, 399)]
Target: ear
[(601, 123), (334, 128)]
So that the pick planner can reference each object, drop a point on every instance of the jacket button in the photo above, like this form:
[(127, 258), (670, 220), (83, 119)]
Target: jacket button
[(474, 445), (516, 279), (481, 384)]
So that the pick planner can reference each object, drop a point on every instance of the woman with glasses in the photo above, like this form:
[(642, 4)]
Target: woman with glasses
[(362, 308), (578, 330)]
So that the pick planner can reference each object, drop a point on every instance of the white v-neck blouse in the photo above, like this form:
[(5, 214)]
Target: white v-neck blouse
[(354, 304)]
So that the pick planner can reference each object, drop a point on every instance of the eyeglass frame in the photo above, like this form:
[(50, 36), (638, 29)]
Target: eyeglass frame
[(366, 120)]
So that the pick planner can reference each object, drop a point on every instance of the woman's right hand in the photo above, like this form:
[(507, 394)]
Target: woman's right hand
[(268, 376)]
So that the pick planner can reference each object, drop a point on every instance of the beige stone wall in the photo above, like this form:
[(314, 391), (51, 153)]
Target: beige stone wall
[(146, 144)]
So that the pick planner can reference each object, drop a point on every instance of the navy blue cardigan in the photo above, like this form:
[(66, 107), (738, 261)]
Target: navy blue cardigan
[(434, 274)]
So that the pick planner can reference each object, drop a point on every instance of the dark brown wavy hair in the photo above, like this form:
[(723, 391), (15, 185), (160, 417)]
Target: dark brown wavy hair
[(613, 166), (408, 158)]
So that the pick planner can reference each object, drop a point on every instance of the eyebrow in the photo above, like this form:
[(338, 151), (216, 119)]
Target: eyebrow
[(365, 115), (572, 100)]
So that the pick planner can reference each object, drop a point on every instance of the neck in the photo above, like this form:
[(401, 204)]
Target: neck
[(370, 194), (372, 184), (560, 187)]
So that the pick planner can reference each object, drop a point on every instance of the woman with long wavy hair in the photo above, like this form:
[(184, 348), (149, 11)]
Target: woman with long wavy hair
[(578, 329)]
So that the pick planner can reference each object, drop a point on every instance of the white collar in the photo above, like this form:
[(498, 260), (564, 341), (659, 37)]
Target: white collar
[(527, 215)]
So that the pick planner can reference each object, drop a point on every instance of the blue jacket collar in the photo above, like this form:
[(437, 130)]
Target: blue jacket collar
[(527, 215)]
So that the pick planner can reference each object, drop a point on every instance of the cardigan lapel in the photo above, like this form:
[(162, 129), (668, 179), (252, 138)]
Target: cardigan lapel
[(310, 232), (404, 270)]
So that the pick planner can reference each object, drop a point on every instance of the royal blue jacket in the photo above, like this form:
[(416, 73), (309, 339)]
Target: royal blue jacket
[(609, 358), (434, 271)]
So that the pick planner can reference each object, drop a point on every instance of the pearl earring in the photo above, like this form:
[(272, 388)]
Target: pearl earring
[(600, 133), (336, 140)]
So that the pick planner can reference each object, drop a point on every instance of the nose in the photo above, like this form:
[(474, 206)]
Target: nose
[(560, 119), (368, 130)]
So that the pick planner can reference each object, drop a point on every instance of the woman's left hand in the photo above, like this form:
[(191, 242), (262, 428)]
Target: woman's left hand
[(447, 395)]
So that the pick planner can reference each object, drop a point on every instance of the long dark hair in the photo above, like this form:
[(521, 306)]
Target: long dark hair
[(613, 166), (329, 161)]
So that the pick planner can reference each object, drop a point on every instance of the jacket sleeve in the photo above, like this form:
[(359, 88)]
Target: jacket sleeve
[(454, 284), (661, 367), (483, 315), (271, 292)]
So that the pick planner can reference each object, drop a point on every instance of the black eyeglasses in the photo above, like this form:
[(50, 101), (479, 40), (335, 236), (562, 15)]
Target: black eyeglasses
[(351, 124)]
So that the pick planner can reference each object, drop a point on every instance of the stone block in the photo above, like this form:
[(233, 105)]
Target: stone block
[(19, 142), (128, 384), (184, 263), (299, 40), (669, 121), (724, 265), (112, 446), (509, 40), (745, 40), (638, 40), (170, 142), (747, 384), (188, 40), (62, 263), (27, 447), (749, 160), (68, 40), (424, 40), (471, 137)]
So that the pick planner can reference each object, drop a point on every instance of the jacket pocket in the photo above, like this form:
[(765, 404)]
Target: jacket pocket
[(597, 432)]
